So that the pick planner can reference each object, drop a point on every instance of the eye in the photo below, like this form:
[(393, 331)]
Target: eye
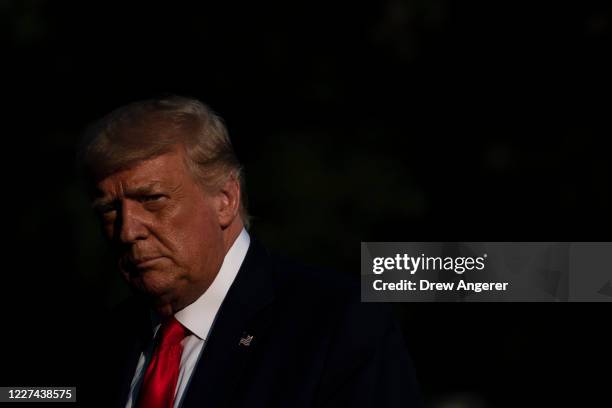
[(152, 197), (153, 202), (107, 213), (106, 209)]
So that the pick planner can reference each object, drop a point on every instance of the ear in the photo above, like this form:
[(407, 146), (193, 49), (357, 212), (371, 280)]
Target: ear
[(228, 202)]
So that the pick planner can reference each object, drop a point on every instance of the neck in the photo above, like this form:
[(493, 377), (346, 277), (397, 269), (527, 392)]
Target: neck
[(230, 233)]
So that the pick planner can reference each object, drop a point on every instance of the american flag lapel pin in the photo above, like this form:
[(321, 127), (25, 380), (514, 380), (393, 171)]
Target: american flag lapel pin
[(246, 340)]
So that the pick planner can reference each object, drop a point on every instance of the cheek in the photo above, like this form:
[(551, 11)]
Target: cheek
[(195, 238), (201, 237)]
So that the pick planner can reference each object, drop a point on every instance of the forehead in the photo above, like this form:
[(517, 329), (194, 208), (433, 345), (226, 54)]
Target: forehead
[(166, 169)]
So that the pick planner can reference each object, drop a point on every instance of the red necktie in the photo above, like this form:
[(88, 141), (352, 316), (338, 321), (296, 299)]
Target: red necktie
[(159, 383)]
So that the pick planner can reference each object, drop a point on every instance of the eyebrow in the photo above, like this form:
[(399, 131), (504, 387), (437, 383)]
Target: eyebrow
[(139, 191)]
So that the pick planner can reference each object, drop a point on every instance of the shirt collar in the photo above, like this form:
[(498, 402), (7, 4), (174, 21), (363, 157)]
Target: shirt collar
[(199, 316)]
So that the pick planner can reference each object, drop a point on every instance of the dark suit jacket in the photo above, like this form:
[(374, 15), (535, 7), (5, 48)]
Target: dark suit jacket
[(314, 345)]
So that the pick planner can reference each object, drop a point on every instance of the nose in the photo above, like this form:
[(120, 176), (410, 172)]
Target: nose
[(132, 223)]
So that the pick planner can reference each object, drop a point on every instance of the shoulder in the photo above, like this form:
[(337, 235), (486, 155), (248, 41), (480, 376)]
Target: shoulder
[(330, 297), (365, 358)]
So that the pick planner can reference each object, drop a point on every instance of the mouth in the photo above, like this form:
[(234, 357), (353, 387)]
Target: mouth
[(135, 266), (145, 263)]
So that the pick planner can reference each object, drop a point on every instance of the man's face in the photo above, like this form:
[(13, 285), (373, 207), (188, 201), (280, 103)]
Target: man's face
[(164, 229)]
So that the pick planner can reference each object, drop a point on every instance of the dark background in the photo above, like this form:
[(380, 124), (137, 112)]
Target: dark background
[(407, 120)]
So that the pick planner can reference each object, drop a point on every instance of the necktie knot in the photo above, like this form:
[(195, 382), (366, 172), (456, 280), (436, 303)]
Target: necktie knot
[(171, 332)]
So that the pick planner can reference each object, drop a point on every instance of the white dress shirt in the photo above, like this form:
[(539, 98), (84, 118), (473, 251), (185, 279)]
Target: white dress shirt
[(198, 318)]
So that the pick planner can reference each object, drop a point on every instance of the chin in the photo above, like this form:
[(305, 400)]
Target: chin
[(154, 284)]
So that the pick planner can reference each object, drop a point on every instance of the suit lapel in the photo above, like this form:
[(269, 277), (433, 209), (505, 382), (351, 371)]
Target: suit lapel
[(243, 313)]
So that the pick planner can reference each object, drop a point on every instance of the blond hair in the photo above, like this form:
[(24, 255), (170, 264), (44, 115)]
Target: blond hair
[(146, 129)]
